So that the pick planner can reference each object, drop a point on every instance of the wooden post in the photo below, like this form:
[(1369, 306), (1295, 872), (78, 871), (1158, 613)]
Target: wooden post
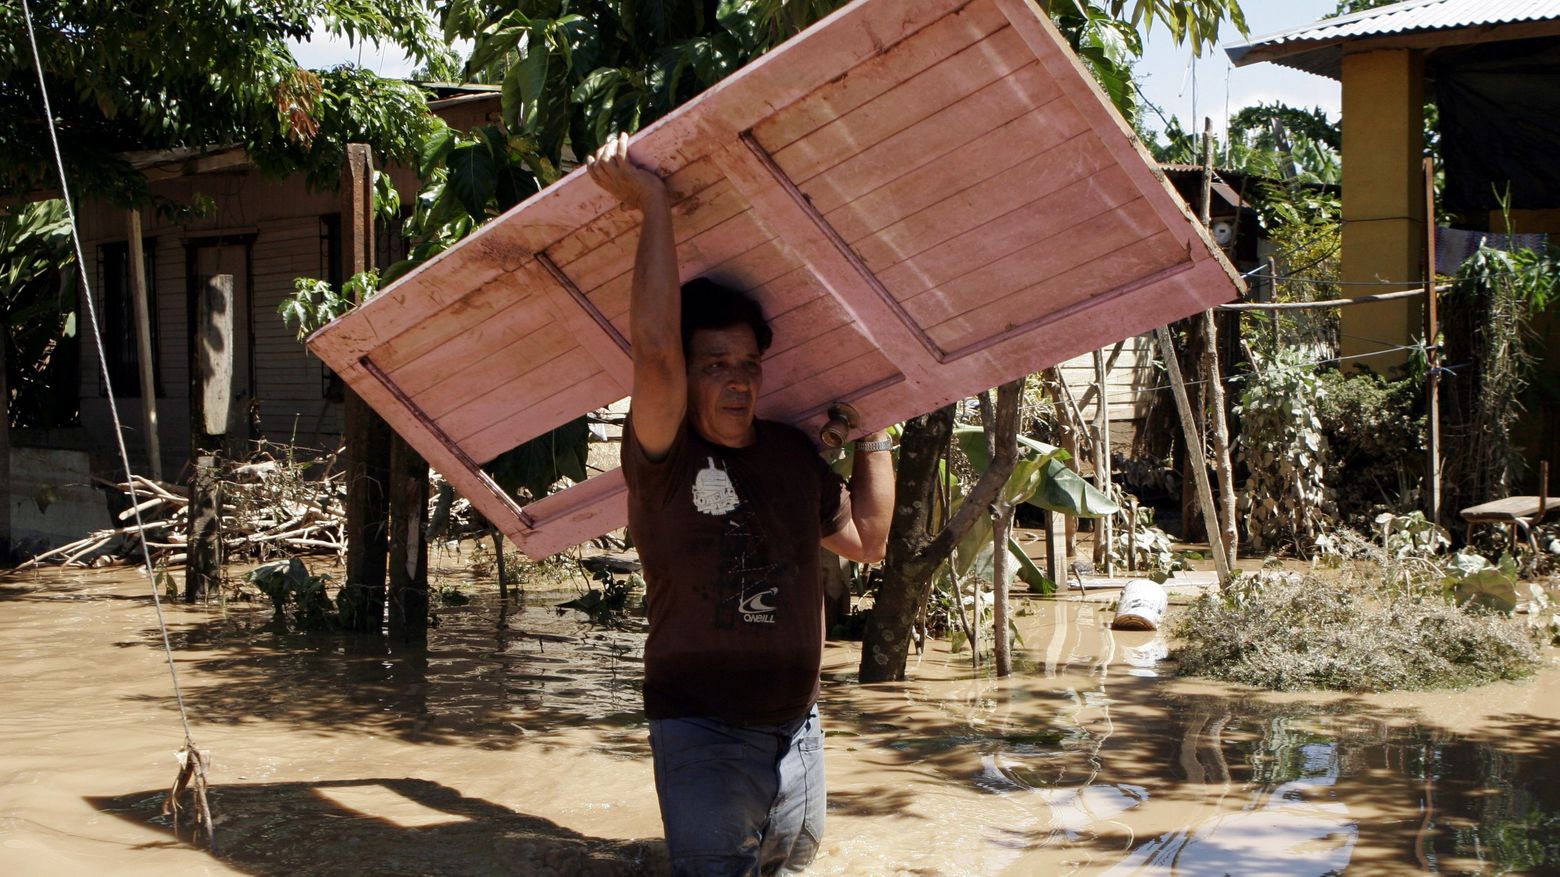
[(143, 343), (1273, 296), (1072, 419), (1132, 522), (1432, 357), (365, 434), (1102, 473), (1193, 447), (1225, 533), (211, 395), (1056, 547), (408, 542)]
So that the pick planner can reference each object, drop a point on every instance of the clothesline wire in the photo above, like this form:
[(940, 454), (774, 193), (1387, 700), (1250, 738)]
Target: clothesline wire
[(113, 407), (1286, 278), (1135, 394)]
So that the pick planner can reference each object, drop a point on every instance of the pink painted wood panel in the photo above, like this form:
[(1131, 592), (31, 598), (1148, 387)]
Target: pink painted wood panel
[(929, 199)]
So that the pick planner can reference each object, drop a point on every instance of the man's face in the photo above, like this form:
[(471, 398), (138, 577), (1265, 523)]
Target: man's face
[(724, 378)]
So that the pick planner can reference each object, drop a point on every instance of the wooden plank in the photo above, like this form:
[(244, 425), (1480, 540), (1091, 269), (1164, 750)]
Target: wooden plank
[(917, 100), (1078, 84), (689, 189), (765, 267), (214, 354), (880, 73), (1094, 238), (505, 331), (589, 326), (464, 318), (555, 364), (835, 378), (795, 326), (696, 256), (597, 390), (1014, 220), (714, 208), (442, 453), (816, 354), (1008, 234), (787, 213), (1510, 508), (596, 506), (942, 137), (1150, 257), (143, 344), (1040, 130)]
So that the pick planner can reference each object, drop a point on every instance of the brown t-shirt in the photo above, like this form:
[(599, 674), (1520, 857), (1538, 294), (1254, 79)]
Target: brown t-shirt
[(729, 540)]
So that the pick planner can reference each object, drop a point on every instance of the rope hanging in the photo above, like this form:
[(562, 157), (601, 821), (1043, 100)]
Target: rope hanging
[(193, 762)]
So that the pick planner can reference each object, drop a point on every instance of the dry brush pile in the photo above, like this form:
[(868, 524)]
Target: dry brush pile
[(271, 505), (1381, 621)]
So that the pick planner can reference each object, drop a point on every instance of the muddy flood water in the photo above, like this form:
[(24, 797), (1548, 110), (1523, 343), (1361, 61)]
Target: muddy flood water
[(523, 750)]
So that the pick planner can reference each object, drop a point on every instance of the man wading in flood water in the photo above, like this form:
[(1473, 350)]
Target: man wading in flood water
[(728, 513)]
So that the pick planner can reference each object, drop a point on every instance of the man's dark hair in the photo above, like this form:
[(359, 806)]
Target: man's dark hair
[(707, 304)]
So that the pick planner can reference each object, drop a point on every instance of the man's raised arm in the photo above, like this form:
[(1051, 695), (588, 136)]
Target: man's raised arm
[(655, 301), (864, 538)]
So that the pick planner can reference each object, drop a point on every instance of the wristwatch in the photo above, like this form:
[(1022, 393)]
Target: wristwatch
[(882, 445)]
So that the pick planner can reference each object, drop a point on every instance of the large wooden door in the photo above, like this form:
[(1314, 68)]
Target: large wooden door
[(928, 198)]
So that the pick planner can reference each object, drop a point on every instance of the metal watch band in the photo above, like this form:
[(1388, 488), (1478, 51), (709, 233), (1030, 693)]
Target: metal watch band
[(883, 445)]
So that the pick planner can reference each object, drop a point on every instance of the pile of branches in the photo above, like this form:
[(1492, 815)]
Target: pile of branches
[(273, 504)]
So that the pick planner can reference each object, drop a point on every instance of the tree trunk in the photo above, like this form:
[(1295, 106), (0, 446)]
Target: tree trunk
[(408, 542), (914, 555), (907, 574)]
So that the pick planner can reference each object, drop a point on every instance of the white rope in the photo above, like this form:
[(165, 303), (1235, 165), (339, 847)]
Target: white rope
[(113, 407)]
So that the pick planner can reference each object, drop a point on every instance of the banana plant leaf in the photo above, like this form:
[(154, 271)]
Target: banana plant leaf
[(1028, 572), (1040, 478)]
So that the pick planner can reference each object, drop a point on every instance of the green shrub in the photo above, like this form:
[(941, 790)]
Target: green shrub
[(1286, 501), (1375, 438)]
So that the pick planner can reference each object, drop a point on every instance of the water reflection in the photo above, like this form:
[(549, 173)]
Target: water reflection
[(1094, 759)]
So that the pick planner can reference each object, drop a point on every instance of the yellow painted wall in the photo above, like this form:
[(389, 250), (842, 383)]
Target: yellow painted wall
[(1383, 199)]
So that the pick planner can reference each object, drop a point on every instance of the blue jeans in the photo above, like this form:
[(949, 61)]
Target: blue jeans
[(739, 800)]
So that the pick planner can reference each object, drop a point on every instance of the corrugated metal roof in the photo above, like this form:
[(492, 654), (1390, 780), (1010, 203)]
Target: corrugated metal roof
[(1316, 48)]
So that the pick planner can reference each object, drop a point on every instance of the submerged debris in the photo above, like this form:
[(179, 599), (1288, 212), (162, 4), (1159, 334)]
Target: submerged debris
[(270, 504), (1356, 633), (277, 503)]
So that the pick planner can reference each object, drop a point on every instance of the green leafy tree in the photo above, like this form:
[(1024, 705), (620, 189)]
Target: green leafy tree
[(189, 73), (40, 316), (1349, 7)]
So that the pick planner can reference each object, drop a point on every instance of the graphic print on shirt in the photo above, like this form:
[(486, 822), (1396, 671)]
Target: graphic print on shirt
[(745, 589), (713, 493)]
